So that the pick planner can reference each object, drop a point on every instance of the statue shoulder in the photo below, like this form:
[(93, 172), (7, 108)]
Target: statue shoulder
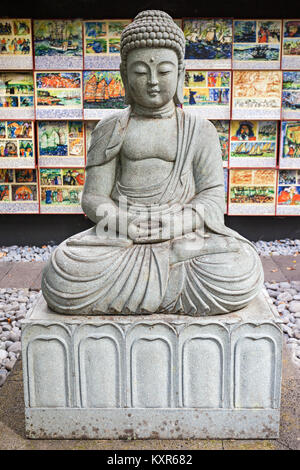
[(104, 127), (200, 125), (103, 139)]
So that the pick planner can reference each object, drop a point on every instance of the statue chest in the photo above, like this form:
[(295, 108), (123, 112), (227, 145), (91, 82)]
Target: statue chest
[(150, 138)]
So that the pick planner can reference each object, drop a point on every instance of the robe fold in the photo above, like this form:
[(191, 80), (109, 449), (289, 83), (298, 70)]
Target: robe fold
[(225, 274)]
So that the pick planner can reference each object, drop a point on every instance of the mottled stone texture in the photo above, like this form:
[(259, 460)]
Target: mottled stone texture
[(158, 376)]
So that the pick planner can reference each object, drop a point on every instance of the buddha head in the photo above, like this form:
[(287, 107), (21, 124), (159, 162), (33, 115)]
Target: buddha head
[(152, 60)]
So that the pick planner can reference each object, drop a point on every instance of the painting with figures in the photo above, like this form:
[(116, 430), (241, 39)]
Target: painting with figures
[(288, 193), (60, 143), (208, 93), (61, 190), (291, 44), (291, 95), (252, 192), (256, 44), (208, 43), (256, 94), (18, 191), (58, 44), (102, 43), (17, 144), (290, 144), (58, 95), (16, 95), (15, 44), (253, 143)]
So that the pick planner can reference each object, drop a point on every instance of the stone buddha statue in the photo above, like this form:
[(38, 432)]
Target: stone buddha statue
[(155, 191)]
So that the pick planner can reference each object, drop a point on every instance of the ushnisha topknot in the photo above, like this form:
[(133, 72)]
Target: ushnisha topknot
[(153, 28)]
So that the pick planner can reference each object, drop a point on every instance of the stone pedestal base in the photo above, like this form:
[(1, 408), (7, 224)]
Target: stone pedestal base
[(153, 377)]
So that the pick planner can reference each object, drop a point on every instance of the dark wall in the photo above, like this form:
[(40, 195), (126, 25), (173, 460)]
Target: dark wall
[(53, 229), (90, 9)]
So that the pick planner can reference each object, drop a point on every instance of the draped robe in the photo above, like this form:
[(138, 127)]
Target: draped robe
[(84, 276)]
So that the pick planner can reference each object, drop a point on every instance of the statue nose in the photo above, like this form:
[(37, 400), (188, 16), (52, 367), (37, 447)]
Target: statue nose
[(152, 79)]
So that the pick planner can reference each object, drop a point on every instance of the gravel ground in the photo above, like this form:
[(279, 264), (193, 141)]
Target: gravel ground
[(25, 253), (285, 246), (286, 298), (15, 304)]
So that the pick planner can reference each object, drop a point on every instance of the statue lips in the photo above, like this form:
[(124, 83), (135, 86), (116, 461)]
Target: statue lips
[(153, 93)]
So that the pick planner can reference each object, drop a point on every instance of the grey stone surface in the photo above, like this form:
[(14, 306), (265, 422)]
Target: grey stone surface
[(155, 177), (166, 376)]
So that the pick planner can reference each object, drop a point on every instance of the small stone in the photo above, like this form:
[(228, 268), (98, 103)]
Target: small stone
[(14, 336), (287, 330), (9, 364), (284, 285), (285, 296), (16, 347), (281, 308), (294, 306), (271, 286), (297, 334), (3, 354), (6, 327), (3, 375), (273, 293), (20, 316)]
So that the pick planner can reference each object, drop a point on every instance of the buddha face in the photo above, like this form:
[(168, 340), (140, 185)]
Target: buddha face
[(152, 76)]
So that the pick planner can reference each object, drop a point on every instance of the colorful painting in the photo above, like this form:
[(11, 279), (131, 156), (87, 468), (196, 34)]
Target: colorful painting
[(291, 44), (61, 189), (60, 143), (256, 43), (253, 143), (18, 191), (290, 144), (56, 91), (16, 95), (102, 43), (15, 44), (291, 94), (288, 193), (16, 144), (256, 94), (208, 42), (225, 170), (6, 176), (58, 44), (102, 90), (252, 191), (208, 89), (223, 132)]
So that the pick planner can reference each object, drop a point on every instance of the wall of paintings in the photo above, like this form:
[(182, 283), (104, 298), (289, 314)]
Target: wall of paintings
[(58, 78)]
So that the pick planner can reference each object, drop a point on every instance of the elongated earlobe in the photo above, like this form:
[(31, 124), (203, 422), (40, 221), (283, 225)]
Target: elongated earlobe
[(127, 99), (178, 98)]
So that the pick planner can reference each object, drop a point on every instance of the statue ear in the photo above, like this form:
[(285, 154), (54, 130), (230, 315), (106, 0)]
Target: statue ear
[(127, 99), (178, 98)]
